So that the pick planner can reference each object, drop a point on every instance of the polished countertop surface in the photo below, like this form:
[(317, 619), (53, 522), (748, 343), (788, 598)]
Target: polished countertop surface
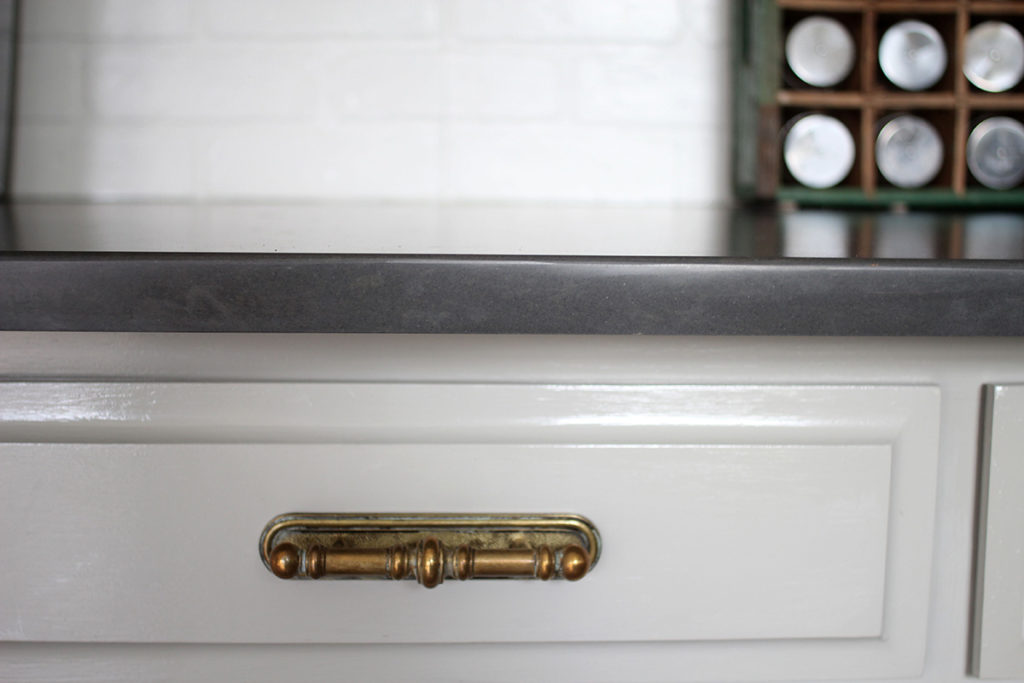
[(436, 268)]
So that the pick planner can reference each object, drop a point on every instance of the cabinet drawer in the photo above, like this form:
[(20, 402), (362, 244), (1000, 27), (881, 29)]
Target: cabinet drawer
[(796, 519)]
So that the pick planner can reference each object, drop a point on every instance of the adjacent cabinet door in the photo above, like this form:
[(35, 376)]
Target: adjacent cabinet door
[(999, 602), (749, 532)]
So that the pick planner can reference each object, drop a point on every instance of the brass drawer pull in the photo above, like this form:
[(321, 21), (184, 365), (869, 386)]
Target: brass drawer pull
[(430, 548)]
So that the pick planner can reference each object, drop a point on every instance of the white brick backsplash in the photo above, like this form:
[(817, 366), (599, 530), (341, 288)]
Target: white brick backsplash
[(629, 20), (651, 84), (385, 83), (513, 85), (112, 162), (703, 169), (580, 163), (121, 19), (282, 19), (198, 82), (50, 76), (548, 100), (706, 26), (371, 160)]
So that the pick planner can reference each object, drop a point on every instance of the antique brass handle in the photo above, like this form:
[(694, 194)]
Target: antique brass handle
[(430, 548)]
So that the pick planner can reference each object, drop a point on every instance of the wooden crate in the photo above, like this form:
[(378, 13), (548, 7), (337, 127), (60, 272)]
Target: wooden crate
[(766, 98)]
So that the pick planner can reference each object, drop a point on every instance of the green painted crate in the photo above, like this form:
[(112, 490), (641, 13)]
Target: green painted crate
[(764, 99)]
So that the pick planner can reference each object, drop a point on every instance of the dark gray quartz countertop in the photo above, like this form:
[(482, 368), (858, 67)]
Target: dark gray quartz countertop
[(509, 269)]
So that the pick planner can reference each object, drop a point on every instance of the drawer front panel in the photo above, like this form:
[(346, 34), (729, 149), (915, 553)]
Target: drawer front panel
[(700, 543), (132, 512)]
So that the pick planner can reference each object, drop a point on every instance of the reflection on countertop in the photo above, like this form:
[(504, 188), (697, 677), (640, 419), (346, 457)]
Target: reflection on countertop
[(510, 229), (893, 235), (372, 228)]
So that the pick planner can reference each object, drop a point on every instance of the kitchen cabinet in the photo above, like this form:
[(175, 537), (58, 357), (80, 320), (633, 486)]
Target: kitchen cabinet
[(999, 619), (792, 495), (770, 509)]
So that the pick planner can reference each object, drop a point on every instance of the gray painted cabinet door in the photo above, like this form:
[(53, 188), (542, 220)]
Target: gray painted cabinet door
[(999, 602), (763, 531)]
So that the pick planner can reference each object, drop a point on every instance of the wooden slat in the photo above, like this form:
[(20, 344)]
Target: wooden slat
[(997, 7), (819, 98), (878, 100), (825, 5), (868, 67), (962, 114), (996, 101), (910, 7), (868, 174)]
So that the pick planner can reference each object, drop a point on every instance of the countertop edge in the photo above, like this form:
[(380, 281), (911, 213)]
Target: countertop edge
[(410, 294)]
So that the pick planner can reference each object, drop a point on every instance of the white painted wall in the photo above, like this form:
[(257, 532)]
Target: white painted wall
[(535, 100)]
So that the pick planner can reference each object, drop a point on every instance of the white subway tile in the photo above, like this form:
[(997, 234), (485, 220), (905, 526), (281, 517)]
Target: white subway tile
[(703, 168), (134, 19), (562, 100), (707, 24), (561, 162), (617, 20), (171, 82), (103, 162), (384, 83), (668, 85), (50, 80), (512, 85), (311, 18), (353, 161)]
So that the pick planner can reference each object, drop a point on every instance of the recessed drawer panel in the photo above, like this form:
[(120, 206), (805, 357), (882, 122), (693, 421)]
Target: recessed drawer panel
[(800, 517)]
